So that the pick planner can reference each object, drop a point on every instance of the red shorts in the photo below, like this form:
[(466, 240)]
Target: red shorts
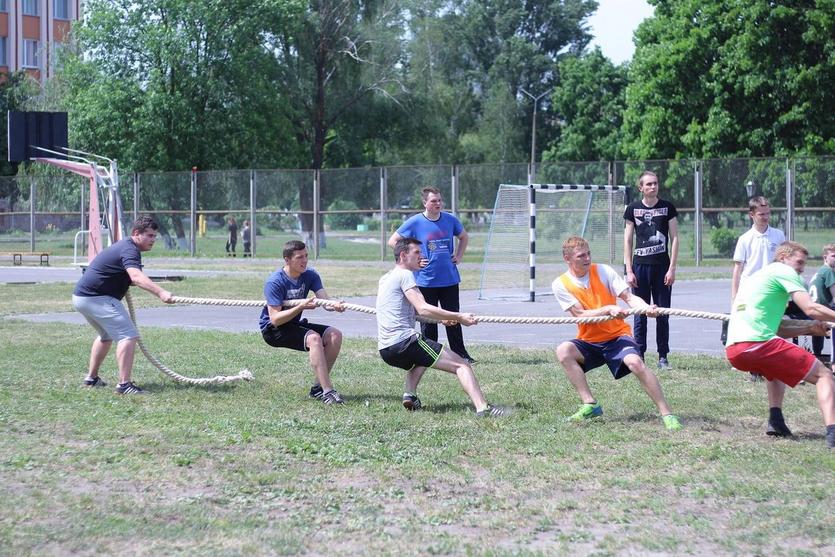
[(775, 359)]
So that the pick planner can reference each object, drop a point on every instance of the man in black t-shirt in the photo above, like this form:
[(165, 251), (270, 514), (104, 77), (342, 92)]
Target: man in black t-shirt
[(98, 294), (650, 262)]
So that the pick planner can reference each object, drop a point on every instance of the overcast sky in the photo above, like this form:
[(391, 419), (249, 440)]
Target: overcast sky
[(613, 25)]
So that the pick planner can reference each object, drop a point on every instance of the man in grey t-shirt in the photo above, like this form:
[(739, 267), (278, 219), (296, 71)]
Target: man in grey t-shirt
[(398, 300)]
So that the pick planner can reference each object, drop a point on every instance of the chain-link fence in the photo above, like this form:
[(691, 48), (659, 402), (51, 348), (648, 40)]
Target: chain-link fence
[(350, 213)]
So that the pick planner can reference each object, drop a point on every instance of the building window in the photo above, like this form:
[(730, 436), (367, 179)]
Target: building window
[(62, 9), (3, 60), (30, 7), (30, 53), (4, 7)]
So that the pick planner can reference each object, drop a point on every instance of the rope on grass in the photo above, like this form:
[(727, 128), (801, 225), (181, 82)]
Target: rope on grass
[(243, 375)]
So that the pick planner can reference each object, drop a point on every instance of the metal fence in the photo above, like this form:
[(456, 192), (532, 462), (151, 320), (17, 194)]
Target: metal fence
[(350, 213)]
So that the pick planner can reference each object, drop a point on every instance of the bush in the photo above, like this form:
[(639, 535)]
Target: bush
[(724, 240), (343, 221)]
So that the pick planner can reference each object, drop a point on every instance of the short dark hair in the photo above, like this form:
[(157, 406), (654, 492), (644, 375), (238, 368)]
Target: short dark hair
[(143, 223), (756, 202), (402, 245), (291, 247), (424, 193)]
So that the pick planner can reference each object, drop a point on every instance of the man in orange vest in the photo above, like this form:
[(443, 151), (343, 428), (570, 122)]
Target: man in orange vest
[(591, 290)]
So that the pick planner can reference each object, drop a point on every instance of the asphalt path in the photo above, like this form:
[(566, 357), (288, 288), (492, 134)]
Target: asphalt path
[(686, 335)]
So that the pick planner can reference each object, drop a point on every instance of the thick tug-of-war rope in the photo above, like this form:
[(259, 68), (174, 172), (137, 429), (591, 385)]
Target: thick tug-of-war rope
[(243, 375), (485, 318)]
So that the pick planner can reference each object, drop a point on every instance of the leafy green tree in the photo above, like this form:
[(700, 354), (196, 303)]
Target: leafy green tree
[(589, 104), (732, 77)]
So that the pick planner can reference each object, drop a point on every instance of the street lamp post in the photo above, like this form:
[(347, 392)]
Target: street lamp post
[(535, 99)]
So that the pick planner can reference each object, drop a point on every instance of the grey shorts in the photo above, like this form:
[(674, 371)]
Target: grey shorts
[(107, 315)]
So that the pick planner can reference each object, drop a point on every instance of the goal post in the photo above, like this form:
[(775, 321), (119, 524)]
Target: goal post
[(547, 214)]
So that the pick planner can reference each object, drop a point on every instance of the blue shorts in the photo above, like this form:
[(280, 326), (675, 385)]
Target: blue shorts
[(108, 317), (612, 352)]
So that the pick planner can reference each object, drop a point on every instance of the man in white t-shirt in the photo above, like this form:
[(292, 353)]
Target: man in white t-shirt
[(398, 300), (755, 249)]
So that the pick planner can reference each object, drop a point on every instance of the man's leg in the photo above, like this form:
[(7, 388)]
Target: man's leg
[(98, 352), (125, 350), (570, 358), (332, 342), (453, 363), (431, 295), (413, 377), (449, 300), (822, 378), (318, 360), (644, 292), (662, 296), (649, 382)]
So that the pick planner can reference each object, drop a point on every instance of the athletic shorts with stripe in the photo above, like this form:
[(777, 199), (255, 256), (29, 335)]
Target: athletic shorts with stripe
[(414, 351)]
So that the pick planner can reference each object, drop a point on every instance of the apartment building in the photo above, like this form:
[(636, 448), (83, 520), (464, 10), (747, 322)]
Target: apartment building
[(32, 32)]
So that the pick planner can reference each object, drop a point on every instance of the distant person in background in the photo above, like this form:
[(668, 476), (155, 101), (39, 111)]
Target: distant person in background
[(232, 238), (246, 235), (756, 323), (755, 249), (651, 265), (822, 291), (438, 277), (98, 294)]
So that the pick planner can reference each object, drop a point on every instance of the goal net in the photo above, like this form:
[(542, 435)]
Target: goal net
[(523, 253)]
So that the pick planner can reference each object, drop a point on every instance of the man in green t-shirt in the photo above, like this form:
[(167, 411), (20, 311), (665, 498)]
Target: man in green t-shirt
[(755, 327), (822, 291)]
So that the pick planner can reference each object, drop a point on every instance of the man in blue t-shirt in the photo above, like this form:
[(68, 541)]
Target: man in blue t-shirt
[(97, 297), (438, 276), (284, 327), (650, 262)]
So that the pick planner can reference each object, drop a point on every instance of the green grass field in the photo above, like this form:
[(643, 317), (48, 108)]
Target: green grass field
[(259, 469)]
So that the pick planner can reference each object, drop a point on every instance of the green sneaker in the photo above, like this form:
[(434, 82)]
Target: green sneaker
[(587, 412), (671, 422)]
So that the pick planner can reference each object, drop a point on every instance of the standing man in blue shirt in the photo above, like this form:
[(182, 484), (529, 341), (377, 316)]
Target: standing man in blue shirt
[(98, 294), (438, 276)]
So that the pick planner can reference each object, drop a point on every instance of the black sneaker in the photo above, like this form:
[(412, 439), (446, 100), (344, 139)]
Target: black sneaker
[(332, 397), (94, 382), (830, 437), (494, 412), (316, 391), (411, 402), (664, 364), (778, 428), (129, 388)]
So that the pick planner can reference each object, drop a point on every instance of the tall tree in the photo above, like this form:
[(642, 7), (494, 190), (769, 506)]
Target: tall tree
[(589, 104), (732, 77)]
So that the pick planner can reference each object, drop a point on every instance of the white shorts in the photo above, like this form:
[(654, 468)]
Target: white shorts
[(107, 315)]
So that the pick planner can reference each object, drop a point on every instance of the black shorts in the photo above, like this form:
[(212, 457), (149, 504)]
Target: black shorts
[(414, 351), (292, 335)]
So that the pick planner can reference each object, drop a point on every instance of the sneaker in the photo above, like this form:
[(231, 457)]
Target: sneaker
[(494, 412), (411, 402), (754, 377), (94, 382), (778, 428), (470, 360), (332, 397), (664, 365), (129, 388), (830, 438), (587, 412), (316, 391), (671, 422)]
